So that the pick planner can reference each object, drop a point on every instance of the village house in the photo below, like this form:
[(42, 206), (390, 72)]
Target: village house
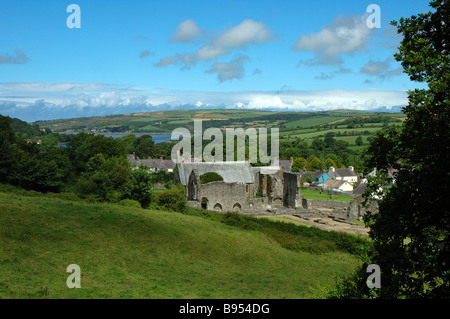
[(336, 185), (343, 174), (153, 164)]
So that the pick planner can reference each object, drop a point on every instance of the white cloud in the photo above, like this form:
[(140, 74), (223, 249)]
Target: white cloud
[(19, 57), (38, 101), (145, 54), (381, 69), (187, 31), (248, 32), (343, 35), (228, 71)]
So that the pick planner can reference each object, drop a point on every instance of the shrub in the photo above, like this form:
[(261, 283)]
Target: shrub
[(172, 199), (130, 203)]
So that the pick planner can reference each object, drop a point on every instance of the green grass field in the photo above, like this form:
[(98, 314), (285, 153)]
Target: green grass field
[(312, 194), (294, 123), (128, 252), (310, 122)]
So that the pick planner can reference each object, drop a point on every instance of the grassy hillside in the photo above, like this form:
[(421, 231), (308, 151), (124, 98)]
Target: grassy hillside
[(128, 252)]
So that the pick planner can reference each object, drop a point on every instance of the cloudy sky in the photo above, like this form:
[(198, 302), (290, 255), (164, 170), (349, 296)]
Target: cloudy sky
[(132, 56)]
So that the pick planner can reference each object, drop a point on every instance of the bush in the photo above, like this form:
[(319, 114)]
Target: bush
[(172, 199), (130, 203)]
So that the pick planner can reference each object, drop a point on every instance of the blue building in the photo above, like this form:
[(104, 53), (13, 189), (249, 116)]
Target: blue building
[(320, 177)]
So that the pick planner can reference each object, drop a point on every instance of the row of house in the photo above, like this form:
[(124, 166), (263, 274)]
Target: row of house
[(336, 179), (153, 164)]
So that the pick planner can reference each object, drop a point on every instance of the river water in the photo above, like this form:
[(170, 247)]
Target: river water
[(157, 138)]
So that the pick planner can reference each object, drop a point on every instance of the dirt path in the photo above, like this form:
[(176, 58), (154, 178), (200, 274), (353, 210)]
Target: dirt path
[(328, 223)]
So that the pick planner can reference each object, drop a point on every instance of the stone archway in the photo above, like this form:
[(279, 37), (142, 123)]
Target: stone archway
[(237, 207), (204, 203), (218, 207)]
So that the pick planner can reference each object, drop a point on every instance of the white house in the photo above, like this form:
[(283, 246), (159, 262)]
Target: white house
[(337, 185), (343, 174)]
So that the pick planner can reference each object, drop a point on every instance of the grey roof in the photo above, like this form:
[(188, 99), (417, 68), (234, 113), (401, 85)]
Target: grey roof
[(265, 169), (360, 189), (152, 163), (157, 163), (341, 172), (232, 172), (334, 183)]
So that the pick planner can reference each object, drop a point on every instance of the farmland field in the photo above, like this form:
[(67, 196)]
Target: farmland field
[(304, 125)]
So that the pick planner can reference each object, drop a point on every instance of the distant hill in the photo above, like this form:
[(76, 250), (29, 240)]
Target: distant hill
[(167, 121), (345, 124)]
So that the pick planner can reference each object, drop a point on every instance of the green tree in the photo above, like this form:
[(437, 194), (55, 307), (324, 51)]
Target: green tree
[(411, 230), (7, 154), (359, 141), (129, 142), (328, 163), (210, 177), (145, 147), (84, 146), (299, 163), (104, 179), (314, 164), (139, 186)]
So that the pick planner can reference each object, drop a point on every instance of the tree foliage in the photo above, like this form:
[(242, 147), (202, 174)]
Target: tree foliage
[(140, 185), (411, 230), (210, 177)]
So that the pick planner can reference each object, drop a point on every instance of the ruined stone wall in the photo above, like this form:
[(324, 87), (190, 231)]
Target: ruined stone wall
[(226, 196), (336, 207), (291, 194), (356, 209)]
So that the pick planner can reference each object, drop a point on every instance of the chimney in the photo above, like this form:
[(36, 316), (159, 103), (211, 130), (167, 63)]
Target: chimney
[(331, 169), (292, 160), (134, 155), (161, 158), (351, 168)]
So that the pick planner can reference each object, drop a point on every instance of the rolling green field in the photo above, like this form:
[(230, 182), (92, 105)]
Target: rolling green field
[(292, 125), (128, 252)]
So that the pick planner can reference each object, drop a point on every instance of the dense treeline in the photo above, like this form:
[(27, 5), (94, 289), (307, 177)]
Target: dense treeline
[(320, 153), (94, 167)]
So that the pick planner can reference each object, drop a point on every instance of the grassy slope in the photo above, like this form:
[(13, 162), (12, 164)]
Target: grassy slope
[(133, 253)]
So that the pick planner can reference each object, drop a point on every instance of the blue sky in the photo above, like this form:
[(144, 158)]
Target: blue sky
[(131, 56)]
